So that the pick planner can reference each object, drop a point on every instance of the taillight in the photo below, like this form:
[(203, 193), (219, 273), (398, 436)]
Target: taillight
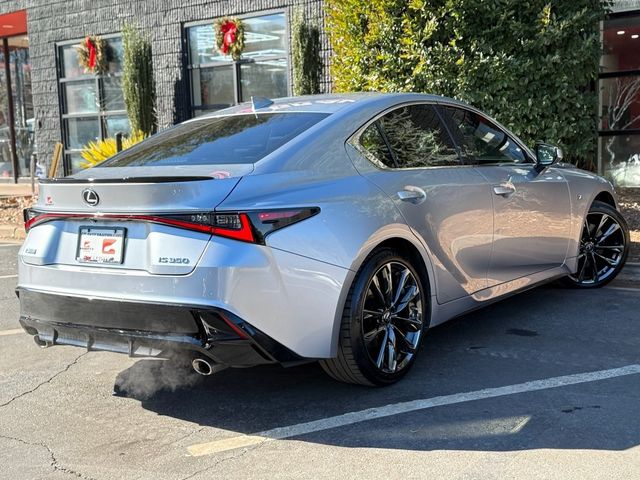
[(268, 221), (230, 225), (251, 226), (28, 215)]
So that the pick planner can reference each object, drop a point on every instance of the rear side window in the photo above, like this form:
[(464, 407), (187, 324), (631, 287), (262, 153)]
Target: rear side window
[(480, 140), (376, 147), (415, 136), (234, 139)]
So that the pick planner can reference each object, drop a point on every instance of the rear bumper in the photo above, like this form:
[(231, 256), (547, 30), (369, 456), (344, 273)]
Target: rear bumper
[(153, 330), (292, 299)]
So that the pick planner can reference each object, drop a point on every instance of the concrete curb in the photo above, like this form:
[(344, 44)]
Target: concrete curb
[(13, 232)]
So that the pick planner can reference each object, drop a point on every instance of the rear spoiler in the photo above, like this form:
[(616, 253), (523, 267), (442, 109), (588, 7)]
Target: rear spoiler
[(67, 180)]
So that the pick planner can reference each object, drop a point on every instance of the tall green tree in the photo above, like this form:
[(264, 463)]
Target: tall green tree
[(138, 87), (305, 53), (533, 65)]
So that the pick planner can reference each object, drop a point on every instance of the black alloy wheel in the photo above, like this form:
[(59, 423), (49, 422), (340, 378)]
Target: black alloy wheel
[(383, 322), (604, 246)]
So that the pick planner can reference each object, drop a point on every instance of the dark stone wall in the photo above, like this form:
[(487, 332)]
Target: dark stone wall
[(52, 21)]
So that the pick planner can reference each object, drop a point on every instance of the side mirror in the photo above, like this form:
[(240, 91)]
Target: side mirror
[(547, 155)]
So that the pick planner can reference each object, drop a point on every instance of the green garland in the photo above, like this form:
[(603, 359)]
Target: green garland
[(230, 36)]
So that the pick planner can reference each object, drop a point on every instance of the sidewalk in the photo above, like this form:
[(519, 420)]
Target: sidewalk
[(16, 189)]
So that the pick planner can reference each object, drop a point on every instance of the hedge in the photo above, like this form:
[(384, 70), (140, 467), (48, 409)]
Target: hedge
[(533, 65)]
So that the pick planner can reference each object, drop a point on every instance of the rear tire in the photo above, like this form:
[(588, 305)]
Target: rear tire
[(604, 246), (383, 322)]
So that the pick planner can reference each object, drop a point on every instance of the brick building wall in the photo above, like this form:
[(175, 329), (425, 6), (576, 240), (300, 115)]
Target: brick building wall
[(52, 21)]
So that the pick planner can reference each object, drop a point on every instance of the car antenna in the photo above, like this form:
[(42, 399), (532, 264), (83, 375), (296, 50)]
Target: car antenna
[(260, 102)]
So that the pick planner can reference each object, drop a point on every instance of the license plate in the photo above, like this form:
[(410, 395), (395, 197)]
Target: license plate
[(100, 245)]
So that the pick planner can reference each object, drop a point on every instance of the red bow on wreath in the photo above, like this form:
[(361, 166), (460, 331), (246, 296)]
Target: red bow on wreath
[(229, 30), (93, 53)]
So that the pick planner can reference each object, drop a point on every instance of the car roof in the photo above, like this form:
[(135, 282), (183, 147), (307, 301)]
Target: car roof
[(325, 103)]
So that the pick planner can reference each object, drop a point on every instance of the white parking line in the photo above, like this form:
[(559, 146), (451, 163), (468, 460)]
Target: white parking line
[(14, 331), (9, 276), (404, 407), (623, 289)]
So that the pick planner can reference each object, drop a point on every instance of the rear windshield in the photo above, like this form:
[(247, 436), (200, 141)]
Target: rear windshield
[(218, 141)]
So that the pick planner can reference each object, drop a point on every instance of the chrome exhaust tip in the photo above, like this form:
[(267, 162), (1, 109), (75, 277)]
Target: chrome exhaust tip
[(41, 343), (202, 366)]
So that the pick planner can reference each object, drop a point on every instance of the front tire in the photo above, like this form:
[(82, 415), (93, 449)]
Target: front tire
[(604, 246), (382, 324)]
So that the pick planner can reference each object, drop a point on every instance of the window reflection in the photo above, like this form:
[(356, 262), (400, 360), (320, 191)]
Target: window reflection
[(621, 37), (264, 79), (621, 159), (480, 140), (416, 138)]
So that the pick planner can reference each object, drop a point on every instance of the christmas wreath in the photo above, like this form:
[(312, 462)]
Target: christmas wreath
[(230, 37), (93, 55)]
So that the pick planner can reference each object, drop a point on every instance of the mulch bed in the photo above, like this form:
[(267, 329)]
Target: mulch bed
[(11, 209), (629, 199)]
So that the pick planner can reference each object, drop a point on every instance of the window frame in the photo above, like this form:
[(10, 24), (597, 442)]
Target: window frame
[(528, 155), (236, 65), (101, 115)]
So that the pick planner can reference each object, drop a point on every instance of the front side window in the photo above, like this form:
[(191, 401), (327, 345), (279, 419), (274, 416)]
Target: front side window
[(410, 137), (480, 140), (234, 139), (92, 106), (218, 82)]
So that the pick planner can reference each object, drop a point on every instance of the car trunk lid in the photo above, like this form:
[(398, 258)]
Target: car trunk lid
[(102, 222)]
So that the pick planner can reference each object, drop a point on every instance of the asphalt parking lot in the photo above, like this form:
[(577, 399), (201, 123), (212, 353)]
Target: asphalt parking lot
[(542, 385)]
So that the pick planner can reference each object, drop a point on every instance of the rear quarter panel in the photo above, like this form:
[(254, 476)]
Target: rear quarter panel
[(355, 217)]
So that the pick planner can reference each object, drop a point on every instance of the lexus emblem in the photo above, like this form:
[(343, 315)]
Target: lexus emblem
[(90, 197)]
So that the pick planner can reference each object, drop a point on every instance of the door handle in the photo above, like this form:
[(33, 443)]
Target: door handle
[(412, 194), (504, 189)]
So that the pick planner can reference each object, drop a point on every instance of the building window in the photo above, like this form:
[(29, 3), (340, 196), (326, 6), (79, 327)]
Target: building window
[(218, 82), (619, 127), (92, 106)]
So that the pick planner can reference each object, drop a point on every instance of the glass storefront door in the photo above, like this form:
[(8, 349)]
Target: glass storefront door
[(17, 136), (6, 164)]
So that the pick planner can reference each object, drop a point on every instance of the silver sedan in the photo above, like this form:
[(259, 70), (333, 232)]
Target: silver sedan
[(336, 228)]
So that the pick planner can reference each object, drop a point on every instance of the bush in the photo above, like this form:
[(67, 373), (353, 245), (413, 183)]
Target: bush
[(138, 87), (530, 64), (305, 53)]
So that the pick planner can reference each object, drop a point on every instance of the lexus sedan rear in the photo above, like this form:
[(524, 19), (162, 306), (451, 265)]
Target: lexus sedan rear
[(336, 228)]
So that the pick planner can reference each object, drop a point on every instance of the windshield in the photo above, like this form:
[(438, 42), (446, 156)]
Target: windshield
[(238, 139)]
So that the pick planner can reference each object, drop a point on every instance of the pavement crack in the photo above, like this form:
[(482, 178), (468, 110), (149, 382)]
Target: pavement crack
[(49, 380), (55, 464), (194, 432)]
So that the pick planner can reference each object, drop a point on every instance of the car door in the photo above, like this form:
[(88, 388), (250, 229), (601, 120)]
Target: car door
[(446, 203), (532, 211)]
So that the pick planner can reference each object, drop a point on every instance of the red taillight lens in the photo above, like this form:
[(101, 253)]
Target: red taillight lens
[(28, 215), (230, 225)]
